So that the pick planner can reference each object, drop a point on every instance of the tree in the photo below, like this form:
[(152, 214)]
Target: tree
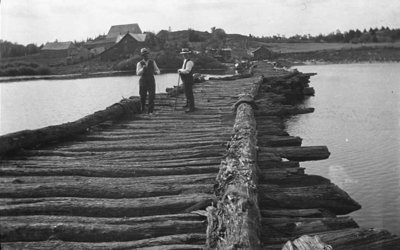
[(31, 49)]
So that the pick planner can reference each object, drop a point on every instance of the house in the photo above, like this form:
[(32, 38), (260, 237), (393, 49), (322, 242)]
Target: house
[(126, 45), (262, 53), (103, 43), (58, 49), (78, 55)]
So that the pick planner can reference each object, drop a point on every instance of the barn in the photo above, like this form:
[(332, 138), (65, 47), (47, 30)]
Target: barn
[(126, 45), (262, 53), (122, 29), (58, 49)]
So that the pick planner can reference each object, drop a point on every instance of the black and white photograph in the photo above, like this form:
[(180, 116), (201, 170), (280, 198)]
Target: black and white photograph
[(200, 124)]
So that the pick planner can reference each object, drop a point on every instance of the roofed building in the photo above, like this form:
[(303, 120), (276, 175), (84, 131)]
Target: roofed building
[(117, 30), (58, 49), (103, 43), (262, 53), (126, 46)]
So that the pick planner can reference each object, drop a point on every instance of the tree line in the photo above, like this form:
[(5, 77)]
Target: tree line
[(373, 35), (9, 49)]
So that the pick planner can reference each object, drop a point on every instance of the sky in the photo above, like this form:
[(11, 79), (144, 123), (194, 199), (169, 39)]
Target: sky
[(40, 21)]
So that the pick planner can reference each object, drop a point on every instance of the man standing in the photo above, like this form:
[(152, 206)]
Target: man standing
[(146, 69), (186, 74)]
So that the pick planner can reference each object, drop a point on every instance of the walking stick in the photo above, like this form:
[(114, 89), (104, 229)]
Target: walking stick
[(177, 91)]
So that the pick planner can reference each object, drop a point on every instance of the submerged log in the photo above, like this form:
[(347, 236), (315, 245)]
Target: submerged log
[(31, 138)]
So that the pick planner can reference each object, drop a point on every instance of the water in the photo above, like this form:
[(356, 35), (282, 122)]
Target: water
[(41, 103), (357, 115)]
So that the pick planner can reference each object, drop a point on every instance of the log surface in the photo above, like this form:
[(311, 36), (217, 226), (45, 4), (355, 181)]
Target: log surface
[(108, 183)]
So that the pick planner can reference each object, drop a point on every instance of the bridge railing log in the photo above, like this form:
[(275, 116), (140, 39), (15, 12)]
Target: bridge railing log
[(31, 138), (235, 221)]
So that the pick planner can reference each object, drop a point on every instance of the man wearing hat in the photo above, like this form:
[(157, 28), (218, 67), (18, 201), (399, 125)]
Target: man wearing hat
[(146, 69), (186, 74)]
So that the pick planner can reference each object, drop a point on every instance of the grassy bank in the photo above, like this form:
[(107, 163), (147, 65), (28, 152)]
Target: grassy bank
[(23, 69), (170, 60), (361, 54)]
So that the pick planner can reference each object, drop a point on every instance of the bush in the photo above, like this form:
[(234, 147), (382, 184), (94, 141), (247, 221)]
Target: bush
[(168, 59), (207, 62), (26, 71), (23, 69), (11, 72), (42, 70), (128, 64)]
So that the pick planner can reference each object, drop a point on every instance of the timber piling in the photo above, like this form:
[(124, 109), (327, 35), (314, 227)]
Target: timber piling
[(208, 179)]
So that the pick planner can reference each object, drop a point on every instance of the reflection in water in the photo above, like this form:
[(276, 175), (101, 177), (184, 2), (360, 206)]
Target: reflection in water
[(40, 103), (357, 110)]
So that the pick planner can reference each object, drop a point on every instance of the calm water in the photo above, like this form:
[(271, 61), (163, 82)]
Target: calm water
[(40, 103), (357, 112)]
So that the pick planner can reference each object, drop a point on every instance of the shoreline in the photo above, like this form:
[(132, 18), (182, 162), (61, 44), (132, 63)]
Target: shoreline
[(11, 79), (294, 63)]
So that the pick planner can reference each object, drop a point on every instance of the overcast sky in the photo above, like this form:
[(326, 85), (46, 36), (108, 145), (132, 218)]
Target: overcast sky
[(39, 21)]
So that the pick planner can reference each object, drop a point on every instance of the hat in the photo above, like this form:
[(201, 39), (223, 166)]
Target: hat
[(144, 51), (185, 51)]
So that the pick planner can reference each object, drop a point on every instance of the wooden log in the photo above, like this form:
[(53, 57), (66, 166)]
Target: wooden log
[(31, 138), (191, 241), (284, 111), (310, 153), (236, 220), (298, 180), (278, 141), (276, 175), (204, 161), (96, 207), (74, 186), (31, 219), (293, 213), (180, 153), (106, 171), (278, 232), (149, 146), (96, 232), (360, 238), (271, 164), (327, 196), (306, 242)]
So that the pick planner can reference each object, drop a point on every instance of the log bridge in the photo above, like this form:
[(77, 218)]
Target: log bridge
[(224, 177)]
